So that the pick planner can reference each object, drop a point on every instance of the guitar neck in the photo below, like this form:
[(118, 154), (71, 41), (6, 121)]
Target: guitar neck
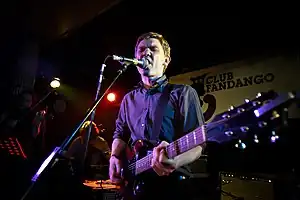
[(225, 132), (183, 144)]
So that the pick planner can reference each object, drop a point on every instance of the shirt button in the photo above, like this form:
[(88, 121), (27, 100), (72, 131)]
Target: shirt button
[(143, 124)]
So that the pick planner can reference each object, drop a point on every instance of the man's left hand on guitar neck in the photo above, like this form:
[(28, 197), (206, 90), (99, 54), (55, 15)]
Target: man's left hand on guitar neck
[(164, 166), (160, 163)]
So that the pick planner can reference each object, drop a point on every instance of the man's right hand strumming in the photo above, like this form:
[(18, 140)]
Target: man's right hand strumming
[(115, 162), (115, 166)]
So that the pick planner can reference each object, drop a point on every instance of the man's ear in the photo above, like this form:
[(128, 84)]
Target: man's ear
[(167, 61)]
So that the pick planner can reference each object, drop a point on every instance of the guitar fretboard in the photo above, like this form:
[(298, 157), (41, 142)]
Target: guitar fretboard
[(198, 136), (183, 144)]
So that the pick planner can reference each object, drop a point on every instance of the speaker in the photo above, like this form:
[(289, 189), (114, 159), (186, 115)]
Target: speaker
[(245, 187)]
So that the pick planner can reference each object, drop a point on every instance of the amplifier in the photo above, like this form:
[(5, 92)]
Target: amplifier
[(109, 195), (245, 187)]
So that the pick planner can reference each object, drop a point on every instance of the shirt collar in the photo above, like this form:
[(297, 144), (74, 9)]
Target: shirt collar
[(158, 85)]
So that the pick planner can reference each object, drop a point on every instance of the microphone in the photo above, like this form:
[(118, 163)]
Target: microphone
[(139, 63)]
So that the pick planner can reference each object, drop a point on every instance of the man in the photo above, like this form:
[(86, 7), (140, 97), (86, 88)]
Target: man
[(137, 118), (20, 121), (98, 152)]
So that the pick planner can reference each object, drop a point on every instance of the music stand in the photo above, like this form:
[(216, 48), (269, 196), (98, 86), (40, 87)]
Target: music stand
[(12, 146)]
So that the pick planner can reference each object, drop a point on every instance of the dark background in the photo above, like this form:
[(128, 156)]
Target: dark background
[(75, 52)]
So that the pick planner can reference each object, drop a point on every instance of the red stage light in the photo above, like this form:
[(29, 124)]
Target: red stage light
[(111, 97)]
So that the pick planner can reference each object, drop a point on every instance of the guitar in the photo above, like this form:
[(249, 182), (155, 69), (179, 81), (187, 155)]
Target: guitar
[(226, 126)]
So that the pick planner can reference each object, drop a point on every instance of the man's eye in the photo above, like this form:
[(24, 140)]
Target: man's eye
[(154, 49)]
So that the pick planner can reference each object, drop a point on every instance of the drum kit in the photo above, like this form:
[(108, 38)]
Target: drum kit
[(103, 189), (101, 185)]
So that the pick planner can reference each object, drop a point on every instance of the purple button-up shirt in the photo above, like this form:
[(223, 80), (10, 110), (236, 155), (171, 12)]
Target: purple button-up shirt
[(137, 114)]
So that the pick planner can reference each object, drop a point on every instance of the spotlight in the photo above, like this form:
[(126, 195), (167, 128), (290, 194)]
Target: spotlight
[(111, 97), (55, 83)]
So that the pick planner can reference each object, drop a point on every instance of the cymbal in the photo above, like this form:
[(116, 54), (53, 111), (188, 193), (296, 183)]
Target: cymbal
[(101, 185)]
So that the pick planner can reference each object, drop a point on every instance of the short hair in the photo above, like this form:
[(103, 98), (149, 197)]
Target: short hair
[(164, 43), (85, 127)]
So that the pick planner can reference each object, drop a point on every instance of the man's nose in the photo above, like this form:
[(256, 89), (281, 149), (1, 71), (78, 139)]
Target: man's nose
[(147, 52)]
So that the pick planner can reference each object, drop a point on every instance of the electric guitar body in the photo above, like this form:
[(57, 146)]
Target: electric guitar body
[(135, 183)]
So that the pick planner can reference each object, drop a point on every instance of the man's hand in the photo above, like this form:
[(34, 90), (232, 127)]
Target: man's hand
[(115, 166), (160, 162)]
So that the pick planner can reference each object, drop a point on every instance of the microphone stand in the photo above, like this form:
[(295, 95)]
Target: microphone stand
[(94, 111), (42, 99), (91, 112)]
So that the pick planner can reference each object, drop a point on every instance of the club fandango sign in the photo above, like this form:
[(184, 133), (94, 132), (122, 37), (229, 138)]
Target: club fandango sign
[(222, 86), (225, 81)]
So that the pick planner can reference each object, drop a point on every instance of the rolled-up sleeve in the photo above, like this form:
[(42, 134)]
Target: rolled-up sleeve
[(190, 109), (121, 124)]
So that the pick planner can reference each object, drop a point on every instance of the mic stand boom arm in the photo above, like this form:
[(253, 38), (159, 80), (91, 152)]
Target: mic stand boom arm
[(59, 150), (94, 106)]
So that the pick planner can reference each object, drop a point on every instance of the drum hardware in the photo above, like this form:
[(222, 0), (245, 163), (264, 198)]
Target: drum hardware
[(101, 185)]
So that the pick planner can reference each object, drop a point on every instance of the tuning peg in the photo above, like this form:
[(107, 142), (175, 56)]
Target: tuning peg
[(256, 139), (231, 108), (256, 112), (240, 110), (274, 137), (291, 95), (240, 145), (244, 129), (258, 95), (275, 115), (226, 116), (247, 100), (255, 103), (262, 124), (228, 133)]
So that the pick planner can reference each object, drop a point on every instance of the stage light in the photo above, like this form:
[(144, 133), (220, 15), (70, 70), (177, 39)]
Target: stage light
[(55, 83), (111, 97)]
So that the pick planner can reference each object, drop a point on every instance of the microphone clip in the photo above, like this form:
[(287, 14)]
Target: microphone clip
[(128, 61)]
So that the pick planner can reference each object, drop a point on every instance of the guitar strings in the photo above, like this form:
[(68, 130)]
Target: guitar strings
[(197, 131), (208, 126), (148, 158)]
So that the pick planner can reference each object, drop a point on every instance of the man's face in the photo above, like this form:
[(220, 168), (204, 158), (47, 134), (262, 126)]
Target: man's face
[(153, 52)]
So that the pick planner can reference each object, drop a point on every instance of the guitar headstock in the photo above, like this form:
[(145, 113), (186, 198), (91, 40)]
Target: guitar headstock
[(272, 117), (246, 107), (249, 119)]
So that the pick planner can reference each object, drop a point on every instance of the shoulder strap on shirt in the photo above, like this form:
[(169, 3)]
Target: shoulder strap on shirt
[(160, 111)]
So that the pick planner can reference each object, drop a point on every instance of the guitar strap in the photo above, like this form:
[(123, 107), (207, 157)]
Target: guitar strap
[(159, 112)]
